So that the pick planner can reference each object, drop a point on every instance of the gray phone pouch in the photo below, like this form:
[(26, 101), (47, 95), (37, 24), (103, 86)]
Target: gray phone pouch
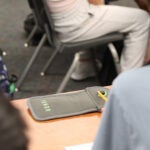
[(66, 104)]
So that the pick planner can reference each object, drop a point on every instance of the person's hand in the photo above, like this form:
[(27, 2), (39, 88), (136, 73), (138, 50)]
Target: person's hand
[(102, 109), (144, 4), (96, 2)]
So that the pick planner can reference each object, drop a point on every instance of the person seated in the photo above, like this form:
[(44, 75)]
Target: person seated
[(12, 127), (125, 120), (79, 20)]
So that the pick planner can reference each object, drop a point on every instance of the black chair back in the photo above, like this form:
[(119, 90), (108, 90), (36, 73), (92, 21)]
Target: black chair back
[(51, 33), (30, 4), (38, 12)]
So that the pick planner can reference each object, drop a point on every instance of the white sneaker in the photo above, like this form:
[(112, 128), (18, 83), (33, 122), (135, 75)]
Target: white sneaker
[(83, 70)]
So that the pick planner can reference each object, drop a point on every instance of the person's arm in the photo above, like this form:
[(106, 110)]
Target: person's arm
[(144, 4), (96, 2)]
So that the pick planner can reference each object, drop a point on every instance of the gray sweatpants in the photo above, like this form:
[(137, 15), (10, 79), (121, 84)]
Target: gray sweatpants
[(87, 21)]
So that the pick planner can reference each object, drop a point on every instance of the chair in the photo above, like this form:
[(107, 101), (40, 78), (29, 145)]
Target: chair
[(59, 47), (38, 11), (37, 26)]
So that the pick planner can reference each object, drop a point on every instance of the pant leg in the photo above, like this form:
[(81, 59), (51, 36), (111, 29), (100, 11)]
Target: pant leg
[(87, 21), (134, 22)]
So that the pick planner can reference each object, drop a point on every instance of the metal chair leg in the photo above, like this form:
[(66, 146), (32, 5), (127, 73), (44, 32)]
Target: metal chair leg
[(76, 59), (49, 62), (26, 44), (32, 59), (68, 74), (115, 57)]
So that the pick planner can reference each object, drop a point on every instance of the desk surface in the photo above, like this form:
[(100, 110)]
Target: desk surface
[(58, 133)]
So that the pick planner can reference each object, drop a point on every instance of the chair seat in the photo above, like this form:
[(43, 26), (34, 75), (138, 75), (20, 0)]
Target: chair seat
[(93, 42)]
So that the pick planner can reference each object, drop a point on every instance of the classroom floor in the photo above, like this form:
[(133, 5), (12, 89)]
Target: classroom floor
[(12, 38)]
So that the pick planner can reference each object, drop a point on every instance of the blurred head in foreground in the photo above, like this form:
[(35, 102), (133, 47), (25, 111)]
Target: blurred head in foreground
[(12, 127)]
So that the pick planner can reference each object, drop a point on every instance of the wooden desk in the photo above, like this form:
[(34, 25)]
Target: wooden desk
[(58, 133)]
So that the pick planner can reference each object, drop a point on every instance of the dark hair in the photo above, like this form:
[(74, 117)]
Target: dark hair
[(148, 63), (12, 127)]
